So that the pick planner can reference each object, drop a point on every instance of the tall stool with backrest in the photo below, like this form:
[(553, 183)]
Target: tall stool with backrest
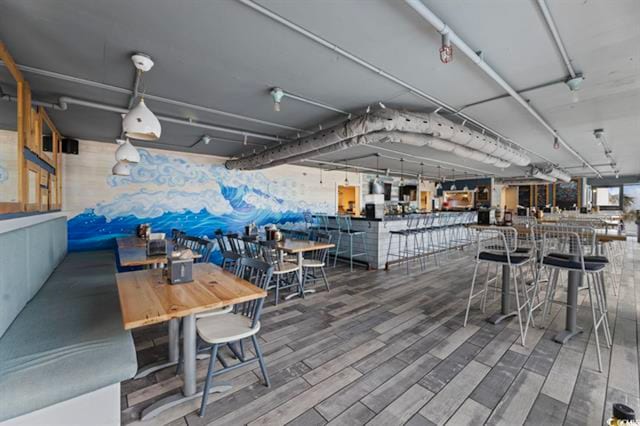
[(243, 323), (571, 248), (498, 246), (408, 242), (346, 232)]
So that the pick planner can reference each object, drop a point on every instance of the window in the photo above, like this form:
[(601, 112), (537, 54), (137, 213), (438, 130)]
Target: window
[(608, 197)]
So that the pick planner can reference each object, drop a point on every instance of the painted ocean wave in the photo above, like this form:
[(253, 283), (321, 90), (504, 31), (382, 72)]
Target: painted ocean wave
[(89, 231)]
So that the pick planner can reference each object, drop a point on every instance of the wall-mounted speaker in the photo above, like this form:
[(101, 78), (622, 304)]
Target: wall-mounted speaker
[(70, 146)]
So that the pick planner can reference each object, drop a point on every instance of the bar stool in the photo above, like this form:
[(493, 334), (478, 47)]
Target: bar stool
[(345, 230), (403, 236), (570, 249), (498, 246)]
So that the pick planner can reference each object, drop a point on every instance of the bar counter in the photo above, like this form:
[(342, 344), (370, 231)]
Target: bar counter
[(378, 233)]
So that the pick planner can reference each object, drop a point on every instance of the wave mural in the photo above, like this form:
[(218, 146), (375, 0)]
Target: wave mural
[(170, 192)]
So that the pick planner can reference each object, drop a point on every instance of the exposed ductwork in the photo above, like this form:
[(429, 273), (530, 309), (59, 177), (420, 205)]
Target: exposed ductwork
[(389, 125), (558, 174)]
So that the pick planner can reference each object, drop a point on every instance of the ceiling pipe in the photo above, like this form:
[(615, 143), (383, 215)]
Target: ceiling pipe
[(538, 174), (65, 101), (369, 169), (558, 174), (310, 101), (546, 13), (412, 89), (442, 28), (124, 91)]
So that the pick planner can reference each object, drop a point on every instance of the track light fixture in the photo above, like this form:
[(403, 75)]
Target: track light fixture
[(277, 94), (556, 143)]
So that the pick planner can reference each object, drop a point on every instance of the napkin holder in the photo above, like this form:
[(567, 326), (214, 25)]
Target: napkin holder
[(179, 271), (156, 247)]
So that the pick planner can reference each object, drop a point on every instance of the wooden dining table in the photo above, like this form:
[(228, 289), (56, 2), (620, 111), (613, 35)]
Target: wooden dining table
[(147, 298)]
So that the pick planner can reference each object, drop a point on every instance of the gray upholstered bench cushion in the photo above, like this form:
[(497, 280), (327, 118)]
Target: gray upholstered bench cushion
[(69, 340)]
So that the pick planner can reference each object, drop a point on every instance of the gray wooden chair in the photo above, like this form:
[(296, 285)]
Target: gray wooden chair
[(243, 323)]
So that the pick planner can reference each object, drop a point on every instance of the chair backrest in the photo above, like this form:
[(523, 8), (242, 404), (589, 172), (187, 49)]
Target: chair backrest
[(343, 222), (320, 255), (500, 240), (270, 253), (259, 274), (175, 234), (308, 219), (235, 243), (573, 240), (199, 246), (251, 247), (322, 221), (222, 243)]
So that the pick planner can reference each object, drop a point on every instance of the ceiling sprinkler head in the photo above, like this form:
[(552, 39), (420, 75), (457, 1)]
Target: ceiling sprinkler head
[(277, 94), (598, 133), (142, 61), (575, 83)]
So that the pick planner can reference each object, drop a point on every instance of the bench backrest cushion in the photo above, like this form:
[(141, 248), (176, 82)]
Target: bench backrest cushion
[(27, 257)]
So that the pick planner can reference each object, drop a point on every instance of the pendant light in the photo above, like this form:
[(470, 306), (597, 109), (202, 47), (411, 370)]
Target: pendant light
[(401, 172), (421, 173), (346, 177), (140, 122), (453, 185), (439, 184), (127, 152), (320, 176), (466, 187), (121, 168)]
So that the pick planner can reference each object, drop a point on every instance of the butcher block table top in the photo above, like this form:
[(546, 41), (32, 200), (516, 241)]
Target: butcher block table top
[(147, 298)]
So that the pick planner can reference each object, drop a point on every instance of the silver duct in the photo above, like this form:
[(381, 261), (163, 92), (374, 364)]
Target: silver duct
[(448, 136)]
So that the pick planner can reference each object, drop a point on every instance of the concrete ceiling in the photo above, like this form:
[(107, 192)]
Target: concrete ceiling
[(227, 56)]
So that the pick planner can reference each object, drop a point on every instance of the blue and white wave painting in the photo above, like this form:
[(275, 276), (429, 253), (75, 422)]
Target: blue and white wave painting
[(170, 192)]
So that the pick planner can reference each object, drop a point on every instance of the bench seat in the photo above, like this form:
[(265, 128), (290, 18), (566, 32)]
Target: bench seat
[(68, 340)]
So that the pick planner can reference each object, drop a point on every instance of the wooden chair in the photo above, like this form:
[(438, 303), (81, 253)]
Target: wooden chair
[(283, 271), (243, 323)]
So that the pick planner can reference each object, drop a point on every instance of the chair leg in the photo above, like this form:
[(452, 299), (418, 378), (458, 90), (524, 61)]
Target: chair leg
[(473, 283), (263, 368), (324, 277), (350, 252), (208, 379), (514, 274), (335, 256), (277, 290), (595, 324)]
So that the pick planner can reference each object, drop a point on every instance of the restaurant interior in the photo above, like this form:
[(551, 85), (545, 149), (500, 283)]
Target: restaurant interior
[(271, 212)]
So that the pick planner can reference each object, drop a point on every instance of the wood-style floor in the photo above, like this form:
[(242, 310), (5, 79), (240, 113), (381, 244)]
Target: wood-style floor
[(386, 348)]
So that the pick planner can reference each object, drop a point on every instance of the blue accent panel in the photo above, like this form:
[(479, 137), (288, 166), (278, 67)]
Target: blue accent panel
[(27, 257), (29, 155)]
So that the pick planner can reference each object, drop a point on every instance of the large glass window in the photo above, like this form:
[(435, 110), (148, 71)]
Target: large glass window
[(608, 197)]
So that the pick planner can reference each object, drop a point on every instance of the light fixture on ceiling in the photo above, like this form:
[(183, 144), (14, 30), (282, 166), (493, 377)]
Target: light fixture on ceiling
[(140, 122), (575, 83), (277, 94), (121, 168), (127, 152), (205, 139), (453, 185), (320, 176), (446, 50), (401, 172), (556, 143), (346, 177), (421, 173), (485, 190), (439, 184), (383, 106)]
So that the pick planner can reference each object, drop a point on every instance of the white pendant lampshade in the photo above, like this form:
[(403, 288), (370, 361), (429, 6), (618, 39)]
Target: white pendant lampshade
[(141, 123), (127, 152), (121, 168), (453, 187)]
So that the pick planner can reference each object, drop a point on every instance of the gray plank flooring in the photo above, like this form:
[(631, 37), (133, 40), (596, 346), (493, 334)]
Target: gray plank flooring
[(387, 348)]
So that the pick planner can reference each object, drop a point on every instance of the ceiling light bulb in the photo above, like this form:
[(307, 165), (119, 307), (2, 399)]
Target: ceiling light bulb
[(438, 186), (121, 168), (453, 187), (127, 152), (556, 143), (277, 94), (141, 123)]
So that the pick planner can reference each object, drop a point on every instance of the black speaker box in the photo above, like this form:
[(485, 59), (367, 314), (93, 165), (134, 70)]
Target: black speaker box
[(70, 146)]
